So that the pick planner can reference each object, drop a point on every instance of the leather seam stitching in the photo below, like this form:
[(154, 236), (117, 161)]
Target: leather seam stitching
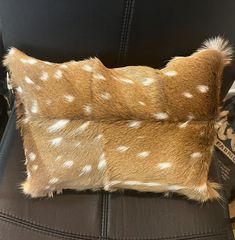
[(102, 215), (128, 28), (43, 232), (104, 208), (25, 222), (14, 220), (127, 17), (122, 33), (106, 214)]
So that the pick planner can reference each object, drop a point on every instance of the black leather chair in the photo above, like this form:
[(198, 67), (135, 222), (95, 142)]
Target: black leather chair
[(120, 33)]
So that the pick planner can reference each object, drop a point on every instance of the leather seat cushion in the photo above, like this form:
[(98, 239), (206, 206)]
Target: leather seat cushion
[(92, 215)]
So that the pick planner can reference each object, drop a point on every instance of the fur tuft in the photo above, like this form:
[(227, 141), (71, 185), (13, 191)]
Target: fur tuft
[(221, 45), (212, 191), (25, 187), (7, 58)]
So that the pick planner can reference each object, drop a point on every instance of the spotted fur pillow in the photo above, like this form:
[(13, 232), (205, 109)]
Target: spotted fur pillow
[(86, 126)]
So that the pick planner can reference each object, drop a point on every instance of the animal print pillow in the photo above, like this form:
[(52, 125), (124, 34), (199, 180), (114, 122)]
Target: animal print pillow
[(86, 126)]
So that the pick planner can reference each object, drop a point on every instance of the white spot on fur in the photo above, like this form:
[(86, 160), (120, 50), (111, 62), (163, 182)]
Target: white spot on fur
[(32, 61), (53, 180), (87, 109), (77, 144), (202, 88), (29, 61), (86, 170), (102, 162), (183, 125), (23, 60), (58, 74), (63, 66), (202, 188), (28, 80), (142, 103), (58, 125), (125, 80), (87, 68), (56, 141), (147, 81), (143, 154), (105, 95), (164, 165), (187, 94), (138, 183), (58, 158), (34, 107), (68, 164), (69, 98), (47, 63), (19, 89), (99, 76), (32, 156), (196, 155), (44, 76), (99, 136), (35, 167), (122, 149), (152, 184), (134, 124), (83, 127), (174, 187), (170, 73), (161, 115), (132, 183)]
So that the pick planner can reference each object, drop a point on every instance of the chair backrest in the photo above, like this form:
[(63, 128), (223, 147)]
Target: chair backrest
[(131, 32)]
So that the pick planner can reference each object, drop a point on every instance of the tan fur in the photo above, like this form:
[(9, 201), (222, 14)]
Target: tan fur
[(85, 126)]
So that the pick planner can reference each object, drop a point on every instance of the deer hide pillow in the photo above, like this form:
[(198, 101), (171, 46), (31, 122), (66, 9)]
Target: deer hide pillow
[(86, 126)]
